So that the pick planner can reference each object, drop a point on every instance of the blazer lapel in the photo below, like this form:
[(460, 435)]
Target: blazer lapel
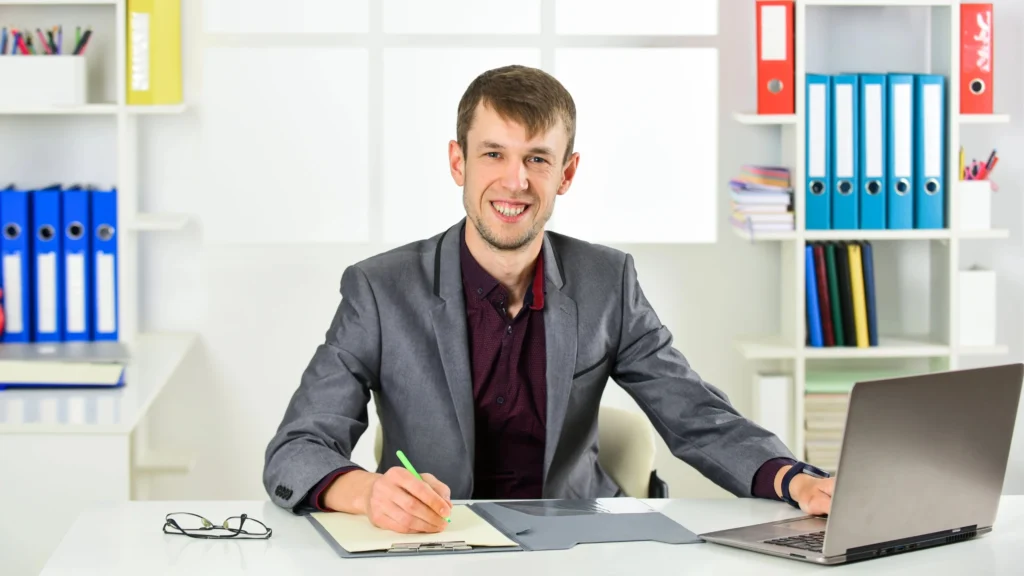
[(449, 319), (560, 339)]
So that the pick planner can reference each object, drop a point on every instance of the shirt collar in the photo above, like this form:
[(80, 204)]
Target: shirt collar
[(480, 283)]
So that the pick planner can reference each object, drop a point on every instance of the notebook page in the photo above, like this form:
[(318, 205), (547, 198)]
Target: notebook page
[(355, 533)]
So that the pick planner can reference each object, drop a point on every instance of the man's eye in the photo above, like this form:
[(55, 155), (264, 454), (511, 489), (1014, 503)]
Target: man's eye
[(537, 159), (492, 154)]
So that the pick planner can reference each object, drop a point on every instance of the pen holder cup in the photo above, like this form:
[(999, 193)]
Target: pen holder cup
[(975, 204), (33, 81)]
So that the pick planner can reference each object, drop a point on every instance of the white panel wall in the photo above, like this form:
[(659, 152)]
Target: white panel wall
[(262, 306), (419, 193)]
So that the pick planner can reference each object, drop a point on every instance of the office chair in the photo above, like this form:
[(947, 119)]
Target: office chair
[(626, 454)]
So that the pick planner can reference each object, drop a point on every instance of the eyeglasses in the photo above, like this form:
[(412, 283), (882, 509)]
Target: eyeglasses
[(195, 526)]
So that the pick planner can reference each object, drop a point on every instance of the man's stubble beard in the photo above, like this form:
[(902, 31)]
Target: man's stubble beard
[(517, 244)]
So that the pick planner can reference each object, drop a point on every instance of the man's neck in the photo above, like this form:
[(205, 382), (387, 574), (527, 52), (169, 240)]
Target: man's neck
[(513, 269)]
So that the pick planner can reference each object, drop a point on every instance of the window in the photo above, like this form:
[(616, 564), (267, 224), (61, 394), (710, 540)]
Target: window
[(359, 98)]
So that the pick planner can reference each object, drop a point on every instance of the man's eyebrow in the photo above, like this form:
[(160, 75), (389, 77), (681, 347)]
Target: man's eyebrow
[(491, 145), (543, 150)]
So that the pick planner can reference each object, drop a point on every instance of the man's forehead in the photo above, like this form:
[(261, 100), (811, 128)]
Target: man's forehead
[(492, 127)]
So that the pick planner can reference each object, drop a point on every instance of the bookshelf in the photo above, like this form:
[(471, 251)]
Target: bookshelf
[(937, 25)]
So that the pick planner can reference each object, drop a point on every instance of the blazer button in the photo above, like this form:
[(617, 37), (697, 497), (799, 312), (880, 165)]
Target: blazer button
[(500, 400)]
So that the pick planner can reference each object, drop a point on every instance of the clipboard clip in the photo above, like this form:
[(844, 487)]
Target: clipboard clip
[(405, 548)]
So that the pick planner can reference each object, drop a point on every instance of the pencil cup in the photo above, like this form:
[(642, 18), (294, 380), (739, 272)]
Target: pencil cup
[(42, 81), (975, 204)]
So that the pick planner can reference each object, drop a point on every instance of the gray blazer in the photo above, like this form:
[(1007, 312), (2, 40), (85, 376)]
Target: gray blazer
[(400, 333)]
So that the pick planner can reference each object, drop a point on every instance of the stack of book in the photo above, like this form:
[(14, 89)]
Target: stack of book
[(826, 401), (762, 200)]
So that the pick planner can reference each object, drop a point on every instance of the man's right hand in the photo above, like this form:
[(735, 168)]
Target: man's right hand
[(395, 501)]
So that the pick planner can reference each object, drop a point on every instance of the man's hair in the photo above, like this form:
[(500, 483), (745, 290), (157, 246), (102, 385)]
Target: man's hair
[(527, 96)]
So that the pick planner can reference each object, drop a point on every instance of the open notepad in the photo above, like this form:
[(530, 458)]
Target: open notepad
[(355, 534)]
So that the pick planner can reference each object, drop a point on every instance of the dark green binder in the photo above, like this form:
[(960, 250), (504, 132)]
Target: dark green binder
[(833, 294)]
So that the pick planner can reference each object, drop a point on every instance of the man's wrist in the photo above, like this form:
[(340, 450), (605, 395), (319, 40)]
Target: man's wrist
[(350, 492)]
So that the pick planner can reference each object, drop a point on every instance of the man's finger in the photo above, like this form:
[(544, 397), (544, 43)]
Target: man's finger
[(413, 506), (439, 487), (425, 493)]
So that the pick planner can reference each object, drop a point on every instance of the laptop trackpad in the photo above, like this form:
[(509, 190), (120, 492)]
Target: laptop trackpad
[(801, 526)]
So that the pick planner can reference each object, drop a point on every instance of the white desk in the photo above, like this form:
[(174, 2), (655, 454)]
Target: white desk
[(63, 450), (126, 539)]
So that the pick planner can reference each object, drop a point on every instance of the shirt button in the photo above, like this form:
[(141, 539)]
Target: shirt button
[(500, 400), (509, 329), (479, 290)]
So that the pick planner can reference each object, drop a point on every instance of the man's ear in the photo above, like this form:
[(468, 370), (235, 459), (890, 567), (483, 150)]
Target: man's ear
[(569, 172), (457, 163)]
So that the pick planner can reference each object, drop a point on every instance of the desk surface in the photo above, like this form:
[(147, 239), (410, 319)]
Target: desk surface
[(127, 539), (153, 360)]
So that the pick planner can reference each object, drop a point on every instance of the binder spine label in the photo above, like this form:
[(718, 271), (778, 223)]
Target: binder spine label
[(140, 36), (76, 293), (47, 292), (15, 320), (106, 314), (773, 33)]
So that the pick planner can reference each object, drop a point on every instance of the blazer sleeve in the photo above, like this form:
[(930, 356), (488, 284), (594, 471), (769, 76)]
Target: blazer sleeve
[(696, 419), (327, 413)]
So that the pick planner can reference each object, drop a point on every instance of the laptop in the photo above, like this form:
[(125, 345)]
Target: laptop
[(922, 464)]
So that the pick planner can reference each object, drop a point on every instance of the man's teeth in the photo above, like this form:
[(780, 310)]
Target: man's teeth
[(509, 210)]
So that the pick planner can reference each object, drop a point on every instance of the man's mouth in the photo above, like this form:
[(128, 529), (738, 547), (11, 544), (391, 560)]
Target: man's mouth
[(510, 212)]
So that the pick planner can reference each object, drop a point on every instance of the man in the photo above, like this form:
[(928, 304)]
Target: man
[(487, 348)]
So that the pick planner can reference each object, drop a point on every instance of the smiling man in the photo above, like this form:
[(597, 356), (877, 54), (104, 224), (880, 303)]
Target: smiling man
[(487, 348)]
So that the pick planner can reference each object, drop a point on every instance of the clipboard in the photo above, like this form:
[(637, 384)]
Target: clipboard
[(353, 536), (508, 526)]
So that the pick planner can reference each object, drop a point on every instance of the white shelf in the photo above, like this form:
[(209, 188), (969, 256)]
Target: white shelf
[(58, 2), (94, 109), (940, 234), (984, 118), (878, 2), (764, 119), (775, 348), (87, 109), (158, 222), (155, 110), (764, 236), (153, 359), (836, 235), (888, 347)]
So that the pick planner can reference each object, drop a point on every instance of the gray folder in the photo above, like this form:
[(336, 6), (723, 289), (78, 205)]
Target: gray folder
[(562, 524), (549, 525)]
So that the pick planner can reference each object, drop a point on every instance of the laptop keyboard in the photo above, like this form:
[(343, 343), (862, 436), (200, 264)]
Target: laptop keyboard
[(812, 542)]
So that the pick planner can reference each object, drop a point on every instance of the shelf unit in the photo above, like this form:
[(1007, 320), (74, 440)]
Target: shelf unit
[(785, 351)]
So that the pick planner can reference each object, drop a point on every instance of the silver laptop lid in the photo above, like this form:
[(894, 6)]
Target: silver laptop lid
[(922, 455)]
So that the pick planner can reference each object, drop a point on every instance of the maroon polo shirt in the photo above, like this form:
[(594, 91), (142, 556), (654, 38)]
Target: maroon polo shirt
[(508, 362)]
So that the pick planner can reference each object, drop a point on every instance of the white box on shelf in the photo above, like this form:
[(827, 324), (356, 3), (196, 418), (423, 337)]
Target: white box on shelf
[(977, 307), (40, 81), (975, 204), (773, 401)]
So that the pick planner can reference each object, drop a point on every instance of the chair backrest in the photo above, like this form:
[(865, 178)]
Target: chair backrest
[(626, 449), (626, 443)]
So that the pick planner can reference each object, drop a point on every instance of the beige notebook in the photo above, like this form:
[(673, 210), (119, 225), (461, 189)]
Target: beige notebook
[(356, 534), (29, 372)]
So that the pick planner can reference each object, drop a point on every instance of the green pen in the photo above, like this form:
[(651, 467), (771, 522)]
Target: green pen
[(408, 466)]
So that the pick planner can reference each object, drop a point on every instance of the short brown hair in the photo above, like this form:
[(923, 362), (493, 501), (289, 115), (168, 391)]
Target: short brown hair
[(527, 96)]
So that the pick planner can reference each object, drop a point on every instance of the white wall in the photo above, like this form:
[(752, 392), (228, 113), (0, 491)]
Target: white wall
[(1006, 257), (261, 308)]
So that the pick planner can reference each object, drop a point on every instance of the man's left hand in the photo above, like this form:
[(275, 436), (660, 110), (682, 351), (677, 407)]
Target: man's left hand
[(813, 494)]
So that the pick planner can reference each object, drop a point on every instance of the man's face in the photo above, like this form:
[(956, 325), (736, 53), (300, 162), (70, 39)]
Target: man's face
[(509, 181)]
